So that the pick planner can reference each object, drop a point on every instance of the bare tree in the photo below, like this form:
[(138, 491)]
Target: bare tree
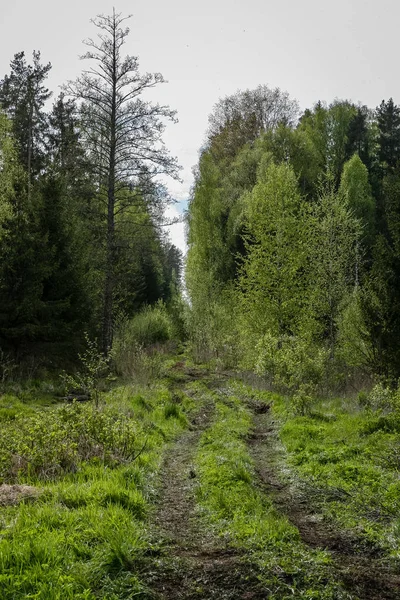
[(245, 115), (122, 133)]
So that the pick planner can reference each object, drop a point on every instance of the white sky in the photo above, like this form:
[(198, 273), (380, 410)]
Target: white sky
[(314, 49)]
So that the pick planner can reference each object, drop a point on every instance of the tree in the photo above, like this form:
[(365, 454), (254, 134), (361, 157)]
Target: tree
[(272, 281), (356, 190), (358, 135), (388, 117), (333, 259), (122, 133), (65, 148), (328, 129), (242, 117), (23, 96), (8, 168)]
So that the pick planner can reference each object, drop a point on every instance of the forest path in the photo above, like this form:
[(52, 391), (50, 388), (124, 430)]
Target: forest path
[(195, 563), (363, 572)]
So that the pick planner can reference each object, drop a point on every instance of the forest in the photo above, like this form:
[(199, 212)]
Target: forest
[(223, 425)]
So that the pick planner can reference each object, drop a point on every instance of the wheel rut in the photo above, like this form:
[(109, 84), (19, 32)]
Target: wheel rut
[(362, 570), (194, 563)]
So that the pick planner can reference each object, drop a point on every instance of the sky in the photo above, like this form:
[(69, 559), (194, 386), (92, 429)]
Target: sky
[(313, 49)]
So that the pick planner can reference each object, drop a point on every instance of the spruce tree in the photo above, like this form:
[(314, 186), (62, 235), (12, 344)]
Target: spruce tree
[(23, 95), (388, 119)]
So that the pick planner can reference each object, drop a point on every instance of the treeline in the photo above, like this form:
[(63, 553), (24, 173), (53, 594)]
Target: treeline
[(81, 213), (293, 267)]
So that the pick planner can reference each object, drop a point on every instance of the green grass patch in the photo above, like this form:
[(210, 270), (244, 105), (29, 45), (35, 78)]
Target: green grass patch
[(242, 513), (350, 459), (85, 535)]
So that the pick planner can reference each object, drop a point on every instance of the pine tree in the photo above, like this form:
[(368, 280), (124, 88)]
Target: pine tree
[(358, 136)]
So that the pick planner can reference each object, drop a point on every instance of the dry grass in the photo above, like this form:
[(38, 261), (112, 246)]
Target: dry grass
[(14, 494)]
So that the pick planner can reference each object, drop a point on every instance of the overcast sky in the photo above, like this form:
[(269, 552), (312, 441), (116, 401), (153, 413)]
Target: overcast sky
[(315, 50)]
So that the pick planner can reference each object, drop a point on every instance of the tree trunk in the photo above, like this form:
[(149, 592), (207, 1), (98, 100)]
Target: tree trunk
[(110, 257)]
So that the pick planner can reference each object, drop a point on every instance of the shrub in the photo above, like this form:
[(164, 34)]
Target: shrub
[(136, 343), (48, 444), (95, 366), (151, 326), (293, 365)]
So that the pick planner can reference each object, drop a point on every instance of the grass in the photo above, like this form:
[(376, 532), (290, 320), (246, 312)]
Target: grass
[(350, 459), (85, 534), (235, 506)]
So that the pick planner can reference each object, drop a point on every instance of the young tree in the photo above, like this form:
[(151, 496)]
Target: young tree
[(272, 281), (356, 190), (123, 136), (333, 258)]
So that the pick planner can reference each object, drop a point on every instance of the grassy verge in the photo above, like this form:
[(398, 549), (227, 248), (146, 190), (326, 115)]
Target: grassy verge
[(349, 458), (82, 533), (238, 510)]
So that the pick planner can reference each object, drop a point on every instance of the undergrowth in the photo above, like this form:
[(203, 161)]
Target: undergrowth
[(94, 469)]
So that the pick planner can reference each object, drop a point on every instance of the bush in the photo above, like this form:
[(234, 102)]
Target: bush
[(136, 343), (293, 365), (151, 326), (48, 444)]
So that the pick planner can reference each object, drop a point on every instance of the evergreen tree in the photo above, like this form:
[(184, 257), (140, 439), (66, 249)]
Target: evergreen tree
[(358, 136), (8, 168), (380, 305), (388, 119), (23, 96)]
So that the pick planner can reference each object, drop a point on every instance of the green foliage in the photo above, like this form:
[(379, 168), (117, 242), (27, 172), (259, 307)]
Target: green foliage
[(328, 128), (276, 250), (46, 445), (354, 345), (388, 119), (356, 190), (271, 283), (23, 95), (333, 263), (213, 328), (94, 368), (8, 168), (293, 365), (86, 533), (138, 342), (150, 326)]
